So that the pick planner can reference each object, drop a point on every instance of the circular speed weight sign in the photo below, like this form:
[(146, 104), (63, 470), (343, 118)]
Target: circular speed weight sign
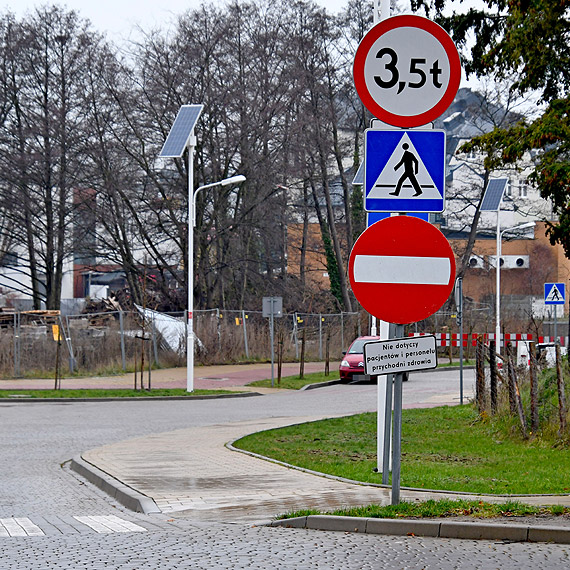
[(401, 269), (407, 71)]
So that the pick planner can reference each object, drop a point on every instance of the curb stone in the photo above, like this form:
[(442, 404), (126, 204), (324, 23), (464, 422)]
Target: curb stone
[(122, 493), (431, 528), (23, 400), (321, 384)]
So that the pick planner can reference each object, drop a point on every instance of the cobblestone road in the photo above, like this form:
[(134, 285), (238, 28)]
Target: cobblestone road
[(71, 525), (233, 547)]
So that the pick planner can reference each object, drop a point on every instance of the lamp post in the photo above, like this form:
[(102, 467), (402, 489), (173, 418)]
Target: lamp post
[(191, 225), (524, 226)]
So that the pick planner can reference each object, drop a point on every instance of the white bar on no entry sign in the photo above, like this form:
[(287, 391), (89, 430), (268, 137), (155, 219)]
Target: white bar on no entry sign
[(400, 269)]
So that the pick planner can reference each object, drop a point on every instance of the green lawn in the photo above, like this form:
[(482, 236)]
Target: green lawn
[(441, 508), (106, 393), (296, 383), (446, 448)]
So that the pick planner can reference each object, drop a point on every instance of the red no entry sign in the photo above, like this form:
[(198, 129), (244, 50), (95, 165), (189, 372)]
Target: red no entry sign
[(402, 269), (407, 71)]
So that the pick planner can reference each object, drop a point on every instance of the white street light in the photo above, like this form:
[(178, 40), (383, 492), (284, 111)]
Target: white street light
[(191, 225), (225, 182), (524, 226)]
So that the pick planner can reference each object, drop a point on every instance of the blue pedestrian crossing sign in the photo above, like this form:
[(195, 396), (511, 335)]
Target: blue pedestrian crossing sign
[(404, 170), (554, 293)]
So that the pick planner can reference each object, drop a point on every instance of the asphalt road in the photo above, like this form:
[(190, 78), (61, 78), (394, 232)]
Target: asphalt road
[(69, 524)]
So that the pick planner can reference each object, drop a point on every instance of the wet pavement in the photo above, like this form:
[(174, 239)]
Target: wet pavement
[(192, 473), (218, 377), (175, 449)]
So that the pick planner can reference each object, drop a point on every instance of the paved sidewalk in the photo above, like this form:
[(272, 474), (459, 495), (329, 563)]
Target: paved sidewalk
[(191, 472), (205, 377)]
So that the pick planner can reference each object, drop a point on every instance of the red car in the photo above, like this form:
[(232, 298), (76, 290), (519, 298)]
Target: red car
[(353, 359)]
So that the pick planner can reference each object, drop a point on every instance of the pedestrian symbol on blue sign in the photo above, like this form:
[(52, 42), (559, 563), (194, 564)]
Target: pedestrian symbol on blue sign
[(405, 171), (411, 168), (554, 293)]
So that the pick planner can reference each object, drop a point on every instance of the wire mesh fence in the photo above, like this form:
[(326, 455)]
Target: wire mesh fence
[(32, 343)]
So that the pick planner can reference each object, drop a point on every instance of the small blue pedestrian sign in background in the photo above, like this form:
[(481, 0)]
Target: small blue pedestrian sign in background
[(404, 170), (554, 293)]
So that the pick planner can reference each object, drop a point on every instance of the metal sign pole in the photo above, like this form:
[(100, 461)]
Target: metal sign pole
[(387, 430), (459, 305), (397, 439), (272, 344), (461, 360), (272, 307)]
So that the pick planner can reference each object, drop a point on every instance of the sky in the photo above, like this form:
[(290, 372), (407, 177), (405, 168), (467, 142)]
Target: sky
[(119, 18)]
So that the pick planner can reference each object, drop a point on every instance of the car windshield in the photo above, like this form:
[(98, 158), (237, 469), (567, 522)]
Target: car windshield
[(357, 347)]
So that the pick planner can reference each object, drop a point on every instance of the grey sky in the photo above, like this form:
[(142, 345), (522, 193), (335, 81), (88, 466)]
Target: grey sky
[(120, 17)]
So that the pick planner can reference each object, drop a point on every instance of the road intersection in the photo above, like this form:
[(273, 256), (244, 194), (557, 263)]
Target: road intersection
[(217, 523)]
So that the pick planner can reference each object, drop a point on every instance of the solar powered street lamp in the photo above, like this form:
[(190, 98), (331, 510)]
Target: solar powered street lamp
[(491, 202), (180, 138), (191, 225)]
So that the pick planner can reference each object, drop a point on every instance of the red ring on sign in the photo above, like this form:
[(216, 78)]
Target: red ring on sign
[(406, 237), (409, 21)]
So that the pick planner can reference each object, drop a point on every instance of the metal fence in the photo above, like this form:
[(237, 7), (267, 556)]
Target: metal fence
[(36, 342)]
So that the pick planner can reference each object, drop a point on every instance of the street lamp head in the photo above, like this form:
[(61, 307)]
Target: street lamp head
[(238, 179), (525, 226)]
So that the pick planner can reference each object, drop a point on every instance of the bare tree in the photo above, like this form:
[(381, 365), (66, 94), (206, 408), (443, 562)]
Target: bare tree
[(41, 140)]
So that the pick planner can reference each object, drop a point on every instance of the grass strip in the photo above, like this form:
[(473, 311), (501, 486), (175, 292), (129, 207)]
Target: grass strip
[(295, 382), (107, 393), (449, 448), (443, 508)]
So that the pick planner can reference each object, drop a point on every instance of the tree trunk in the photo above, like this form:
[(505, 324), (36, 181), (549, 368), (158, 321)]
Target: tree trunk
[(302, 363), (511, 380), (472, 231), (533, 369), (280, 348), (327, 351), (493, 381), (480, 376)]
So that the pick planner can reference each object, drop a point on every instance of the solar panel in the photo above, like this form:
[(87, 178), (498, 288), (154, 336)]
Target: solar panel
[(494, 194), (179, 134), (359, 176)]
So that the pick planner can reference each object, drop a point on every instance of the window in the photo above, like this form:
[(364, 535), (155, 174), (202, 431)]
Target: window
[(9, 259)]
